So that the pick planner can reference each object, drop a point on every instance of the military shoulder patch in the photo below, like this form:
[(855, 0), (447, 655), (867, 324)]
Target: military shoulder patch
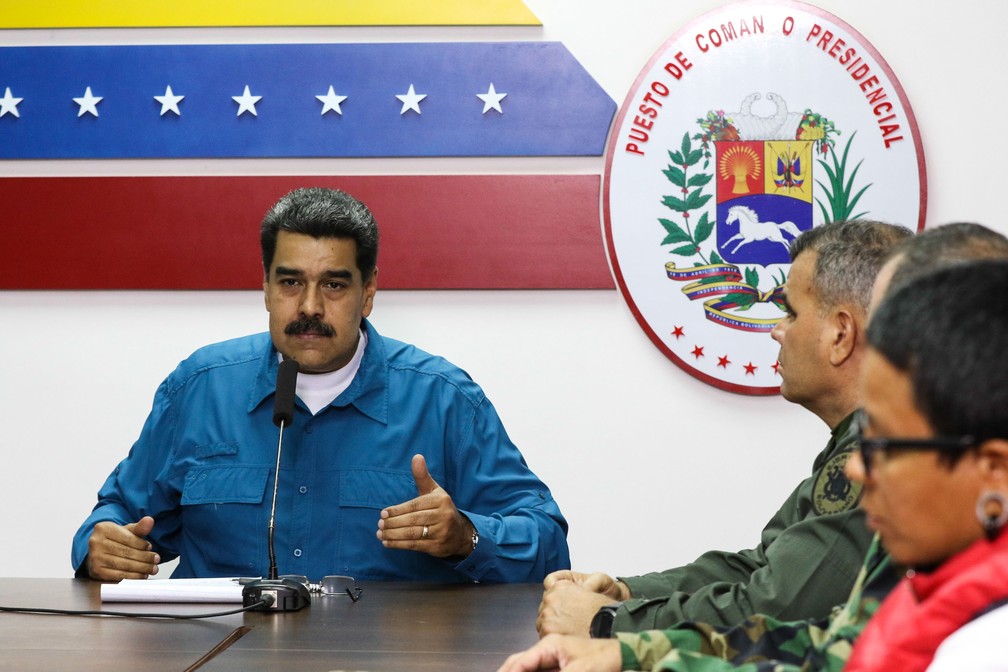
[(833, 491)]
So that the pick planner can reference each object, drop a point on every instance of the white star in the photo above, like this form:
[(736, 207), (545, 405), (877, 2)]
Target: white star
[(9, 104), (331, 101), (246, 102), (491, 100), (89, 103), (169, 102), (410, 100)]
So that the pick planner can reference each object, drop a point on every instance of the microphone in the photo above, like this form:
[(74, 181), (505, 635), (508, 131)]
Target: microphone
[(274, 593), (283, 400)]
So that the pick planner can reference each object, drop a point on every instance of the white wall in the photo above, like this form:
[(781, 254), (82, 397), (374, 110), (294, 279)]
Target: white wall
[(649, 465)]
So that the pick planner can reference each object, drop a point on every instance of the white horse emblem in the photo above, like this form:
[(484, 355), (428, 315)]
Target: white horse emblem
[(751, 229)]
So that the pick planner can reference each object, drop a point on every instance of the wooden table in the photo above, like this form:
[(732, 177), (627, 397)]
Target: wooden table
[(394, 626)]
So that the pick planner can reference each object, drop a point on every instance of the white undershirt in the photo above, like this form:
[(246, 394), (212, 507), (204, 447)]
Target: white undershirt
[(317, 390)]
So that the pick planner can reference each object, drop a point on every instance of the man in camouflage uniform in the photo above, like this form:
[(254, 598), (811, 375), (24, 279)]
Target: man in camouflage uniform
[(758, 644), (808, 554), (765, 644)]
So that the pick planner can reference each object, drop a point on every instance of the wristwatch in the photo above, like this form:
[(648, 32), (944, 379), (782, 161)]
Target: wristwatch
[(602, 624)]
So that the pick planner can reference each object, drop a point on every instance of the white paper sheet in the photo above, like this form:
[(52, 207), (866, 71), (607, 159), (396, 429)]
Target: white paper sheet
[(172, 590)]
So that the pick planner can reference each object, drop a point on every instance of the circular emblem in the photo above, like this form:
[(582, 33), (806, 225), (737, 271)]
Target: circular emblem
[(833, 492), (752, 124)]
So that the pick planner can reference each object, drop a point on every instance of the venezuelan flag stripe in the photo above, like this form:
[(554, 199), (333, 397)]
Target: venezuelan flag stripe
[(384, 100), (131, 13), (201, 232)]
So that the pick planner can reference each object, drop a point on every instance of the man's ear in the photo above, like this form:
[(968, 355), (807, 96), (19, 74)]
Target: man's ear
[(845, 334), (370, 288)]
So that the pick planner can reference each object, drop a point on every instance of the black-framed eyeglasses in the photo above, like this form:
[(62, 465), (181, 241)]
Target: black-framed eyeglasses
[(952, 446), (330, 585)]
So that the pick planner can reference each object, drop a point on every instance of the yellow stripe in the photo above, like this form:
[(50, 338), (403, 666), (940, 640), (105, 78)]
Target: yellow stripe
[(128, 13)]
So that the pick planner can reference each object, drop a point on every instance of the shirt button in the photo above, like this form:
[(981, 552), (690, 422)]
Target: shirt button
[(308, 429), (297, 552), (302, 489)]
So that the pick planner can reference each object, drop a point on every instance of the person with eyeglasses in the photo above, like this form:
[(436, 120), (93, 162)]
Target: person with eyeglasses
[(762, 643), (933, 465)]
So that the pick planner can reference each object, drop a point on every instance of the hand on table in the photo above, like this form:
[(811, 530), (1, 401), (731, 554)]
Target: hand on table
[(572, 599), (572, 654), (120, 551)]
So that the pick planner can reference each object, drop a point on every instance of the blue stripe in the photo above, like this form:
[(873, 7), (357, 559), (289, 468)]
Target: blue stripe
[(553, 106)]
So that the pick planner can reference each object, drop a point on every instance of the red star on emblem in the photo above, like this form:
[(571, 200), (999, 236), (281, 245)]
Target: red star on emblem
[(776, 367), (697, 351), (723, 362), (750, 369), (678, 332)]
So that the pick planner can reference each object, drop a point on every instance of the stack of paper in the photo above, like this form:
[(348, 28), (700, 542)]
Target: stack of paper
[(172, 590)]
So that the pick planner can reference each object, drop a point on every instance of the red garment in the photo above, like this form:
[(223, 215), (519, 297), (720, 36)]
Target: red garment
[(924, 609)]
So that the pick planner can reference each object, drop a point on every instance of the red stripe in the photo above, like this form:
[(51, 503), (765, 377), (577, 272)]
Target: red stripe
[(438, 231)]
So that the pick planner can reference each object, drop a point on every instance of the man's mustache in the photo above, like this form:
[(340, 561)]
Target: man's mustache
[(308, 325)]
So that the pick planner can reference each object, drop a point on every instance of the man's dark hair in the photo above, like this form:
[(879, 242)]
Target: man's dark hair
[(944, 245), (850, 255), (322, 213), (947, 330)]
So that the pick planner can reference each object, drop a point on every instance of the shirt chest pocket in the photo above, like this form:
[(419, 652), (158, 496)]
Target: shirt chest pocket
[(224, 511), (225, 485)]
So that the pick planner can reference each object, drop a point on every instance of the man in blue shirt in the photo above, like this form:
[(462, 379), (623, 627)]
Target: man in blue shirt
[(396, 466)]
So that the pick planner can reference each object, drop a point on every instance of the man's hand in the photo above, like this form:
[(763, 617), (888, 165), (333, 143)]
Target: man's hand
[(567, 608), (571, 600), (567, 653), (448, 532), (596, 582), (121, 552)]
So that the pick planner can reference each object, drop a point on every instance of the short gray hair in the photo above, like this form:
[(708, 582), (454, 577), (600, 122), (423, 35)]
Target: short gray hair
[(850, 254), (943, 246)]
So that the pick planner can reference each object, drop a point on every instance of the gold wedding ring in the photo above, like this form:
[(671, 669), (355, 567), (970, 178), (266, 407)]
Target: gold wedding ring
[(423, 535)]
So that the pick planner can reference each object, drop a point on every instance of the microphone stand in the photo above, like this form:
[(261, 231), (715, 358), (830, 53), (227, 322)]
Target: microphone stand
[(269, 531), (273, 593)]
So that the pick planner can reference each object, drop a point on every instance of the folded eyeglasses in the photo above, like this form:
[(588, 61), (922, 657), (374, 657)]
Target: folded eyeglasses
[(330, 585)]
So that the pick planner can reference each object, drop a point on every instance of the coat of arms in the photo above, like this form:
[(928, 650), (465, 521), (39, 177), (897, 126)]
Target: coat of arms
[(762, 170), (755, 122)]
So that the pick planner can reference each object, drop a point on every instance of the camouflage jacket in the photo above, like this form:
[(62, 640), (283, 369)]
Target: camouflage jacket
[(763, 643), (805, 563)]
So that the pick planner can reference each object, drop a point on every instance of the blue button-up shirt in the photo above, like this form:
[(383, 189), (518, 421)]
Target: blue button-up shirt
[(203, 468)]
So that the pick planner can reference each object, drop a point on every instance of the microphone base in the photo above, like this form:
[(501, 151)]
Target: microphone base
[(287, 594)]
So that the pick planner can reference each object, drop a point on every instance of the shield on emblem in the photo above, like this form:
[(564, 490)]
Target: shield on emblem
[(764, 198)]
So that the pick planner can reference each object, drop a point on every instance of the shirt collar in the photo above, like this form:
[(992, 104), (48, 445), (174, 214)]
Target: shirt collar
[(841, 439), (843, 433), (924, 583), (368, 392)]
